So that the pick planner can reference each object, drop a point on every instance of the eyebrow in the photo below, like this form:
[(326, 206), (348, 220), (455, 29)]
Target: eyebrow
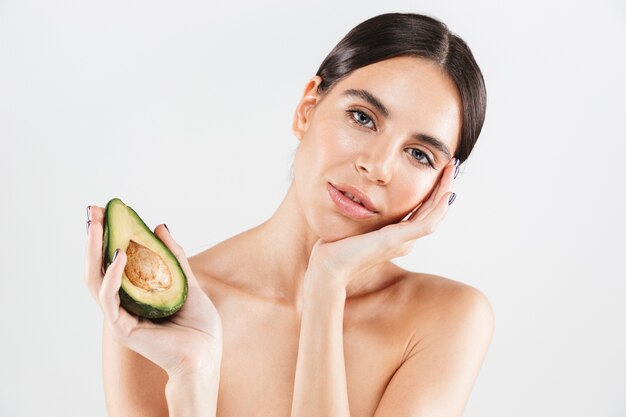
[(375, 101)]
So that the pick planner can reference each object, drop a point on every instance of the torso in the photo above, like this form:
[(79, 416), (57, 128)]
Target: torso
[(260, 344)]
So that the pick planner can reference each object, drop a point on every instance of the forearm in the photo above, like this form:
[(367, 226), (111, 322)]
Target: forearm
[(320, 387), (194, 394)]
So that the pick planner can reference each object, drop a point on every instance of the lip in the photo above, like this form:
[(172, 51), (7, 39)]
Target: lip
[(346, 205), (363, 198)]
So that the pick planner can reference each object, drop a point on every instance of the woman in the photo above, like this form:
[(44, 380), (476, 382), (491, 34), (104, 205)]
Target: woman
[(305, 315)]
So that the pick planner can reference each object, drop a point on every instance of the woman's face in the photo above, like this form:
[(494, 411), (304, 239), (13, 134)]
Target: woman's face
[(371, 131)]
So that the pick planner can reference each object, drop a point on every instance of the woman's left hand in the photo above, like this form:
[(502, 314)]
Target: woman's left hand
[(345, 259)]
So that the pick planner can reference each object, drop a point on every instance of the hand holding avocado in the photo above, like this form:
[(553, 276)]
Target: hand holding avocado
[(150, 278)]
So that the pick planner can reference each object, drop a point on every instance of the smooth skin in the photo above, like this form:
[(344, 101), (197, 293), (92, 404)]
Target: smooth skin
[(305, 314)]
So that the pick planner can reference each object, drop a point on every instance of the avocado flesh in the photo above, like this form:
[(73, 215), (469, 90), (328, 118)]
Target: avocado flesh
[(153, 282)]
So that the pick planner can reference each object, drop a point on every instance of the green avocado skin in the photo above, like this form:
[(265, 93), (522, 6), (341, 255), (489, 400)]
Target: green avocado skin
[(129, 303)]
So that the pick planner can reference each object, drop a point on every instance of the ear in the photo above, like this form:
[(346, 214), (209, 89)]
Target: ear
[(309, 99)]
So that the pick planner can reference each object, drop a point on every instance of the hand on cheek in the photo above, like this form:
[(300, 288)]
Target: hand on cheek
[(435, 189), (344, 259), (443, 186)]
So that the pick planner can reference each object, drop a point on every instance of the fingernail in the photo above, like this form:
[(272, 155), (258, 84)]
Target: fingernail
[(115, 254), (88, 223), (451, 199), (88, 209), (456, 162), (168, 229), (456, 171)]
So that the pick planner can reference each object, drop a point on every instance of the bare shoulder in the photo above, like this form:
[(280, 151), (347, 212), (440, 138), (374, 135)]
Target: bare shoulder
[(217, 261), (213, 262), (438, 304), (452, 325)]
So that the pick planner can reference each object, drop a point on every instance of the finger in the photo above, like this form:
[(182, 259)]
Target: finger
[(427, 202), (447, 181), (428, 224), (431, 197), (93, 261), (121, 322), (445, 185), (96, 214), (164, 234)]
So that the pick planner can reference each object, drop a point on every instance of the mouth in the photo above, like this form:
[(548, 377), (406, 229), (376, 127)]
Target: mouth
[(350, 204)]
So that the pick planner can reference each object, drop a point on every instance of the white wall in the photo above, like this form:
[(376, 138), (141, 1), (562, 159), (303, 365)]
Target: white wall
[(172, 106)]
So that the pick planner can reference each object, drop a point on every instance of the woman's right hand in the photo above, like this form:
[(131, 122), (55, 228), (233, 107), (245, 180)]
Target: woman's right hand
[(184, 343)]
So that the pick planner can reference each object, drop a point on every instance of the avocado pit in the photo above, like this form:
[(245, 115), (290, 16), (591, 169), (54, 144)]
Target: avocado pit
[(146, 269)]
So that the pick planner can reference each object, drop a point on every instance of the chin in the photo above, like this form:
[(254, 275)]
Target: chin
[(337, 227), (330, 225)]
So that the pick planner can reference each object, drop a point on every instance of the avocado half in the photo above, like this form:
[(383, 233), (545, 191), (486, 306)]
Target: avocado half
[(153, 282)]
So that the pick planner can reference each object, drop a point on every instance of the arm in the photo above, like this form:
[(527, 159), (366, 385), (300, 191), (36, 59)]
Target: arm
[(139, 356), (136, 387), (193, 394), (133, 385), (320, 387), (438, 375), (435, 379)]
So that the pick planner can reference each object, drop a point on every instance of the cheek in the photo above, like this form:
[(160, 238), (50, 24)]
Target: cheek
[(411, 192), (336, 143), (326, 154), (425, 188)]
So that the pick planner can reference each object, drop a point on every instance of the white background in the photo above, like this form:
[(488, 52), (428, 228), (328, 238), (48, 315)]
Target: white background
[(183, 110)]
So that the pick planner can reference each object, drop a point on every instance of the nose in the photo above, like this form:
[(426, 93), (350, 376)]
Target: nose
[(376, 161)]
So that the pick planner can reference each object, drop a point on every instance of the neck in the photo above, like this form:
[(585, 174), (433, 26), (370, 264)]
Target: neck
[(282, 245)]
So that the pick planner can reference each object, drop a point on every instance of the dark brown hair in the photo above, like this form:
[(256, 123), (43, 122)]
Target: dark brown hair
[(399, 34)]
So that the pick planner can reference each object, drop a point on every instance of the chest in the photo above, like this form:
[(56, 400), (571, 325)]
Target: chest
[(260, 354)]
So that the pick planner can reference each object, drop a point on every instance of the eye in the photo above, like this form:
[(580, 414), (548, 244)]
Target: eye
[(363, 119), (421, 157), (360, 118)]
